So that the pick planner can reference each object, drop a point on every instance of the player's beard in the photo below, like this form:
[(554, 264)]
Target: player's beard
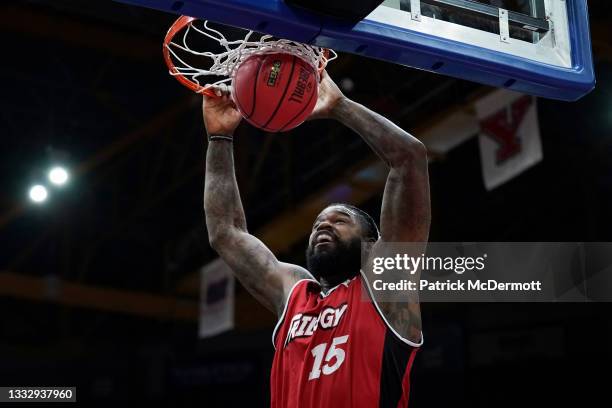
[(342, 262)]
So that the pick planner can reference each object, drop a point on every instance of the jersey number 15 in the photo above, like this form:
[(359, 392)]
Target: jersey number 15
[(334, 351)]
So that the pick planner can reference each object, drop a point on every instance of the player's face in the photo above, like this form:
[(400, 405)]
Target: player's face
[(334, 227), (334, 248)]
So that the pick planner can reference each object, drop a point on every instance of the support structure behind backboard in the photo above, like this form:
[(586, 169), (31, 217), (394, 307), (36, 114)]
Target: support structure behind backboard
[(538, 47)]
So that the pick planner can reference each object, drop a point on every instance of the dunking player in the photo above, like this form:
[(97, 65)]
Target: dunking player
[(333, 349)]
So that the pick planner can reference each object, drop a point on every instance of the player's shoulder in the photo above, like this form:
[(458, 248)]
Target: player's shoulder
[(297, 279), (403, 319), (291, 275), (294, 273)]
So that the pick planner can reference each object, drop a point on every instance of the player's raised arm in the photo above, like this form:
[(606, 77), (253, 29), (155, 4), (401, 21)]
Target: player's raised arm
[(252, 262), (405, 214)]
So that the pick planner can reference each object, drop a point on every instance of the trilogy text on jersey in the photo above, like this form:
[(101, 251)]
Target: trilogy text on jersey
[(304, 325)]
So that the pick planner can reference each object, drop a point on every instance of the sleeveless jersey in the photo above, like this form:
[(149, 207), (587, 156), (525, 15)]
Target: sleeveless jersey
[(336, 350)]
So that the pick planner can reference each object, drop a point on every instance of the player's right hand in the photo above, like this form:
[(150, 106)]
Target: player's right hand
[(329, 97), (220, 114)]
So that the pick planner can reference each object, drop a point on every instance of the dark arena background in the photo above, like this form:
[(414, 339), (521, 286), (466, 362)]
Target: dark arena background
[(99, 286)]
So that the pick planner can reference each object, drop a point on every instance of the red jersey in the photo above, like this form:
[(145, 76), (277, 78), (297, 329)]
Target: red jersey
[(337, 350)]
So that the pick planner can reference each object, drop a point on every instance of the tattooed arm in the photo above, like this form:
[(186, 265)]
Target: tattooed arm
[(405, 214), (267, 279)]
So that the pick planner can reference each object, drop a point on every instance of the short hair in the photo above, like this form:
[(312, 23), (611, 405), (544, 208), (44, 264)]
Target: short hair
[(370, 229)]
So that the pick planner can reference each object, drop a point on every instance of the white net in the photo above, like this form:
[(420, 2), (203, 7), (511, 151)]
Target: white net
[(226, 63)]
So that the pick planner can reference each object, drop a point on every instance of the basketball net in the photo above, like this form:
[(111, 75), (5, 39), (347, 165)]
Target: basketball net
[(225, 63)]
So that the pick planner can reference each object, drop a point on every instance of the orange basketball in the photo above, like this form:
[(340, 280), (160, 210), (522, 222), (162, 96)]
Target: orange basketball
[(275, 92)]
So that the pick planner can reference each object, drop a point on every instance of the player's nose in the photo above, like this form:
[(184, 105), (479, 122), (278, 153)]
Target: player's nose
[(324, 225)]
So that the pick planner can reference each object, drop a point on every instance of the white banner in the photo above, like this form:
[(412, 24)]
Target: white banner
[(216, 299), (509, 136)]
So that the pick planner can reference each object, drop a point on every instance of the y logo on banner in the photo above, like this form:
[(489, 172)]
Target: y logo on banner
[(502, 128)]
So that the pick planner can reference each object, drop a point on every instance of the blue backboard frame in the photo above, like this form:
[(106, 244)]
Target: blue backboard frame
[(406, 47)]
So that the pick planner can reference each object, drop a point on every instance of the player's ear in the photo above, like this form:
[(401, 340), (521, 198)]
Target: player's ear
[(368, 242)]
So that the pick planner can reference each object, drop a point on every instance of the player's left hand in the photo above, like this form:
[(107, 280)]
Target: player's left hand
[(329, 96), (220, 114)]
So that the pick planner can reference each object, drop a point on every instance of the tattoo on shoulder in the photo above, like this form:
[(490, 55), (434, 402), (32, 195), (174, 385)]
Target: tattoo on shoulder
[(405, 318), (300, 273)]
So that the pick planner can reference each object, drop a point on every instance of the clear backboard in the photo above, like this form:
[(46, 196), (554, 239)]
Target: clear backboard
[(538, 47)]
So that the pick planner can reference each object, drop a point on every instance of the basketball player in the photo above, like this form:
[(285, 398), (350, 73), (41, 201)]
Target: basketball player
[(333, 348)]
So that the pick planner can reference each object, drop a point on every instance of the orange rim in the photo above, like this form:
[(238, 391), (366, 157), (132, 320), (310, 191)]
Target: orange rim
[(178, 25)]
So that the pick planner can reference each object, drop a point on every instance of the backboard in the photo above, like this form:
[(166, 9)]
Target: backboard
[(538, 47)]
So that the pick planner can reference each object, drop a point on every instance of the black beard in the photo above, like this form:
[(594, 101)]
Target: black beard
[(342, 262)]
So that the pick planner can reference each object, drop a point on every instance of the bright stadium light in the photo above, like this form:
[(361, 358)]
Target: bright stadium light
[(58, 176), (38, 193)]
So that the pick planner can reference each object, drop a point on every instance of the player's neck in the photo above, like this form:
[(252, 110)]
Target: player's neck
[(329, 282)]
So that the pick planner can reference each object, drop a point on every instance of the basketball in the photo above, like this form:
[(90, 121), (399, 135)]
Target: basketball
[(275, 92)]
